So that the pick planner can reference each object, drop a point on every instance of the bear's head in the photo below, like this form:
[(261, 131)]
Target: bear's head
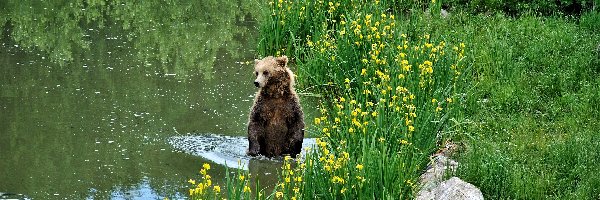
[(272, 72)]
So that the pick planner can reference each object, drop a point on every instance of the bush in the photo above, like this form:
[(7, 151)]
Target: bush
[(521, 7)]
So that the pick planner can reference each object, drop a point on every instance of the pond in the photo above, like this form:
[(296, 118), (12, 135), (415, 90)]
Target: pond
[(92, 92)]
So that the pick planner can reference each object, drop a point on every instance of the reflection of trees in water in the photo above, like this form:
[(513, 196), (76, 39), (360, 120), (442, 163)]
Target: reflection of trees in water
[(52, 117), (184, 36)]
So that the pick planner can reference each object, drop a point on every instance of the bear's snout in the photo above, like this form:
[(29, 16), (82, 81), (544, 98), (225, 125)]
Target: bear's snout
[(256, 84)]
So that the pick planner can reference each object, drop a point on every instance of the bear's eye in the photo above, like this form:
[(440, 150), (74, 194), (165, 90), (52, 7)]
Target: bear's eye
[(266, 73), (255, 73)]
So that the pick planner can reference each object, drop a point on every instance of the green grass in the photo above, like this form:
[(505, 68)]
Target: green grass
[(521, 97), (530, 122)]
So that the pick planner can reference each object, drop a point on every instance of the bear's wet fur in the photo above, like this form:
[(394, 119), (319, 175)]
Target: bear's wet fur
[(276, 121)]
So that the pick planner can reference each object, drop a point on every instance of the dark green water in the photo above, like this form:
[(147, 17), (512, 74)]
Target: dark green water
[(90, 92)]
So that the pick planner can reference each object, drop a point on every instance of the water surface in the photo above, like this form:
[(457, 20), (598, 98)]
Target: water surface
[(91, 91)]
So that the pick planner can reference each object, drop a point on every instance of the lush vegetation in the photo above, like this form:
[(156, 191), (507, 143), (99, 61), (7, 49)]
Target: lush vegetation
[(520, 95), (529, 127)]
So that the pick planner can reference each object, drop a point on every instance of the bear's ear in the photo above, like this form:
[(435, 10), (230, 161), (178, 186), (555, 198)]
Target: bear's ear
[(282, 61), (256, 61)]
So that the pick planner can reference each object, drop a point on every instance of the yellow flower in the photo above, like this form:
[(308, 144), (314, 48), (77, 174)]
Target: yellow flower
[(356, 122), (449, 100), (359, 167), (217, 188), (317, 120), (337, 179), (342, 99), (203, 171), (279, 194), (298, 179), (353, 102), (346, 80), (247, 189), (433, 100), (411, 128), (287, 179), (363, 72), (374, 113), (206, 166), (346, 155), (242, 177), (192, 181), (428, 63), (325, 130), (406, 67), (351, 130), (438, 109)]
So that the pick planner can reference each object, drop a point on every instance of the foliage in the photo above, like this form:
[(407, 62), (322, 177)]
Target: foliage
[(521, 7), (394, 93), (526, 122), (236, 187)]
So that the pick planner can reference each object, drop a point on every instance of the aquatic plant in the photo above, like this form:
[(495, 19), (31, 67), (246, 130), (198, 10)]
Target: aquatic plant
[(391, 94), (237, 186)]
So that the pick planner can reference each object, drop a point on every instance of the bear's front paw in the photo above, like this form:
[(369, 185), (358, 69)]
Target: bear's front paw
[(252, 152)]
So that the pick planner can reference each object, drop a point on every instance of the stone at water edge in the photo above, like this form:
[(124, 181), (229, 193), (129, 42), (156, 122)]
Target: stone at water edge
[(437, 169), (452, 189)]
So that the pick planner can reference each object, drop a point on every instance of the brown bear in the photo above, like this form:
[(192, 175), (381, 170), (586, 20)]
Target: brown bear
[(276, 121)]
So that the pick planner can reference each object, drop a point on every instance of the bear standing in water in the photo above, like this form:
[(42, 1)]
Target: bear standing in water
[(276, 121)]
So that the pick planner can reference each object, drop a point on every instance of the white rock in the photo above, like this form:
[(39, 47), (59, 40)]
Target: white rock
[(452, 189)]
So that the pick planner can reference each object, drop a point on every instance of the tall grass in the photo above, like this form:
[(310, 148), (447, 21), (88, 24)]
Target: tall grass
[(391, 93), (392, 79)]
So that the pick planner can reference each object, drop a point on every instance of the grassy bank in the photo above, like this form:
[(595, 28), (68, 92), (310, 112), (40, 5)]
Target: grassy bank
[(521, 97), (389, 92), (529, 127)]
